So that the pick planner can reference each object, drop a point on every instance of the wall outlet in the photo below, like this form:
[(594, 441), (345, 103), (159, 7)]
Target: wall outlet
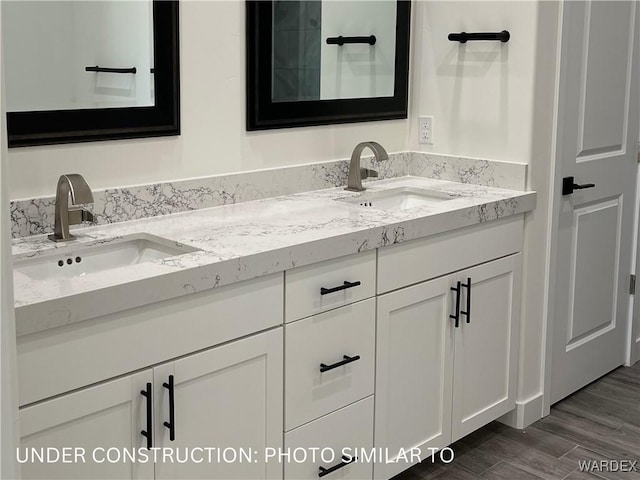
[(425, 130)]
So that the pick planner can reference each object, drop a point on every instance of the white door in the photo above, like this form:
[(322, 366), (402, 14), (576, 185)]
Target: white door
[(414, 365), (596, 144), (227, 400), (634, 347), (108, 416), (486, 344), (634, 354)]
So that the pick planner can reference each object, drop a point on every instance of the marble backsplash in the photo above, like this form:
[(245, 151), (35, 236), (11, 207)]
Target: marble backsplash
[(36, 216)]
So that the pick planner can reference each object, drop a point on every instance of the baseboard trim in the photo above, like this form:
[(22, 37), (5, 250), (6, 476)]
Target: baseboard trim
[(526, 412)]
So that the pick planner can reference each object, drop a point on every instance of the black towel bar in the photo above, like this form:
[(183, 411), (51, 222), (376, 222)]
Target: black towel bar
[(371, 40), (464, 37), (110, 70)]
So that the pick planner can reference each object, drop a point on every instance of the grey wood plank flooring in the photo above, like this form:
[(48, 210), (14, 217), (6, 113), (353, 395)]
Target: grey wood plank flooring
[(601, 422)]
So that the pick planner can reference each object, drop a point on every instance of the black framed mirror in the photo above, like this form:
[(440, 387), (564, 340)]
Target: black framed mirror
[(316, 63), (158, 115)]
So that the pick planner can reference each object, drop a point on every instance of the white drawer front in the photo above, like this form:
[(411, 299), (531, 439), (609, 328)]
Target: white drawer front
[(343, 432), (303, 285), (326, 339), (422, 259)]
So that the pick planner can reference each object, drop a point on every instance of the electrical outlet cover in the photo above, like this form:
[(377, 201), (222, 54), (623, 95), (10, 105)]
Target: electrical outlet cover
[(425, 130)]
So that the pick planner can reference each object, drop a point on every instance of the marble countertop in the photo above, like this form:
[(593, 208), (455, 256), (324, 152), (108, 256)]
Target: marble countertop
[(243, 241)]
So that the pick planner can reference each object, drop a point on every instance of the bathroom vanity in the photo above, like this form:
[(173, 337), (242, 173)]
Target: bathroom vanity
[(326, 319)]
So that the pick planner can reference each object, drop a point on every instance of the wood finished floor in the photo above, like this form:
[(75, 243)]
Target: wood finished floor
[(599, 422)]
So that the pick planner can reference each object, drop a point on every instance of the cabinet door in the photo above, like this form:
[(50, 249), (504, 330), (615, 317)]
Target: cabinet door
[(414, 366), (486, 347), (227, 410), (96, 423)]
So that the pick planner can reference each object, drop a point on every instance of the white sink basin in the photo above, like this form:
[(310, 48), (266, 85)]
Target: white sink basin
[(403, 198), (72, 261)]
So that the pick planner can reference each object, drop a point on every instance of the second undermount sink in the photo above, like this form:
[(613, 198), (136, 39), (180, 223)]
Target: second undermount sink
[(78, 260), (402, 198)]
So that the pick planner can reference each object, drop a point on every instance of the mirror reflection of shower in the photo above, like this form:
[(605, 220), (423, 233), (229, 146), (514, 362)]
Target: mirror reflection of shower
[(308, 67), (52, 49)]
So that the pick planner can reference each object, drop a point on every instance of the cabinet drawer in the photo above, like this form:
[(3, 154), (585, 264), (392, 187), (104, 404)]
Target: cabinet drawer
[(419, 260), (55, 361), (342, 432), (308, 289), (326, 339)]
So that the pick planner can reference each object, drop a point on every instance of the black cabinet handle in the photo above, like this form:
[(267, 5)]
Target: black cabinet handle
[(171, 424), (568, 186), (347, 359), (344, 286), (467, 312), (148, 433), (456, 317), (345, 461)]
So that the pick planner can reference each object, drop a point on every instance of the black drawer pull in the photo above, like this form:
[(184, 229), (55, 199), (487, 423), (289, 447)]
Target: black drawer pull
[(456, 317), (171, 424), (324, 291), (347, 359), (345, 461), (148, 433), (467, 312)]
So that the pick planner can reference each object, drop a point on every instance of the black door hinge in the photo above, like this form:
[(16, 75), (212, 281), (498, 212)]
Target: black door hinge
[(632, 285)]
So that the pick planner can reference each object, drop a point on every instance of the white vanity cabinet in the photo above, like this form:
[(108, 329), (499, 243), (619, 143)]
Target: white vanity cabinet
[(88, 422), (330, 284), (414, 371), (226, 385), (486, 345), (228, 397), (330, 361), (332, 445), (58, 360), (446, 354), (413, 345), (330, 367)]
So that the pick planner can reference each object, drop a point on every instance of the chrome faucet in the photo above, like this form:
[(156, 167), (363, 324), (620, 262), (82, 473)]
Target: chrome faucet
[(74, 186), (357, 174)]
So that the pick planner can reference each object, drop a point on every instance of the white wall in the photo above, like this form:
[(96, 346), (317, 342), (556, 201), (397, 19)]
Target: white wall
[(480, 93), (537, 229), (355, 71)]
